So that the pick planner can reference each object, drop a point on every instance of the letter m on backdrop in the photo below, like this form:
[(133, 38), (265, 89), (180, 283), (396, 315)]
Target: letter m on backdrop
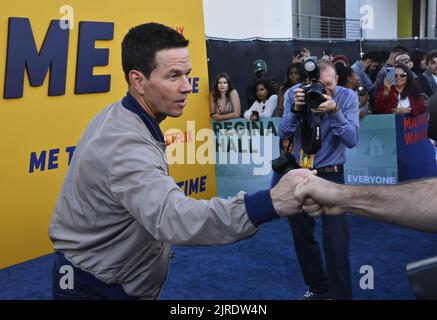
[(23, 55)]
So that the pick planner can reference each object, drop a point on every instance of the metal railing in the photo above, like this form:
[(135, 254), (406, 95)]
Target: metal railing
[(318, 27)]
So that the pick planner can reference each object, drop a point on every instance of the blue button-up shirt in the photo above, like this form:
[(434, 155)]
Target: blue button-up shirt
[(339, 130)]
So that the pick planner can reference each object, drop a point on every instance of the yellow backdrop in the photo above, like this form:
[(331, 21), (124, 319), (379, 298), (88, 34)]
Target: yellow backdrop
[(37, 122)]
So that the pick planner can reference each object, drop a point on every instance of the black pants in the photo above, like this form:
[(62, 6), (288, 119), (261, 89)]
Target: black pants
[(336, 281), (84, 285)]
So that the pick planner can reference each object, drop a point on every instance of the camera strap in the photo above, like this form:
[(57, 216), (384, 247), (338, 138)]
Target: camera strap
[(311, 133)]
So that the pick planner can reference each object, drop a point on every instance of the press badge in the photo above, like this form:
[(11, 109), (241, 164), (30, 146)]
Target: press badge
[(306, 161)]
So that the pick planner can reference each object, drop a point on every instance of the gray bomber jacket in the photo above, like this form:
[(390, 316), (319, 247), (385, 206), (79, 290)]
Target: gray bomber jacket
[(119, 210)]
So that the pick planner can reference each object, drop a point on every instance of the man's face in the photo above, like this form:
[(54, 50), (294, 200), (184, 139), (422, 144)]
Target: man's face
[(329, 78), (369, 64), (432, 66), (373, 65), (405, 59), (165, 92)]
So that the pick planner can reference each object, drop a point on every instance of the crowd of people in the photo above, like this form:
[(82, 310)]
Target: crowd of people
[(397, 82), (400, 85)]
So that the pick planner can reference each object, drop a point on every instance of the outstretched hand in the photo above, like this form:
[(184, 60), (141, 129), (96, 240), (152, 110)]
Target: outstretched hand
[(283, 195), (319, 195)]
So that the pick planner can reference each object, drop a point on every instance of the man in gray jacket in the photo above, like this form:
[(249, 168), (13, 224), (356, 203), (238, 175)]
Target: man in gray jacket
[(119, 210)]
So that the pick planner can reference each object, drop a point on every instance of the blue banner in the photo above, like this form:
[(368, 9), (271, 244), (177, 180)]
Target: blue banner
[(390, 149), (374, 159), (416, 154)]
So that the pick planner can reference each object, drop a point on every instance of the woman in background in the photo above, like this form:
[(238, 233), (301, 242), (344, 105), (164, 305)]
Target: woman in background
[(224, 100), (265, 104), (402, 97), (349, 79), (294, 71)]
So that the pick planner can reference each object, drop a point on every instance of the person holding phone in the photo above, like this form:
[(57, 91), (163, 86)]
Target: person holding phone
[(390, 75), (327, 55), (299, 56), (265, 103), (401, 96)]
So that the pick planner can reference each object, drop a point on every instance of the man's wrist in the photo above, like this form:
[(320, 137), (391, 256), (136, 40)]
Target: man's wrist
[(335, 110)]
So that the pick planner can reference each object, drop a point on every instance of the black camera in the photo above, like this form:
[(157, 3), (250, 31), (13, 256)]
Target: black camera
[(311, 133), (361, 91), (284, 163), (313, 92)]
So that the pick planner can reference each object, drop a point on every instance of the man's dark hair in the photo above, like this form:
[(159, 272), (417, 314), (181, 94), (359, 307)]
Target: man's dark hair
[(399, 49), (384, 55), (344, 73), (139, 46), (430, 55), (372, 55)]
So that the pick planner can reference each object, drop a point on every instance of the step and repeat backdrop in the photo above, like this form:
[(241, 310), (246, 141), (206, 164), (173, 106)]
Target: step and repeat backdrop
[(59, 66), (390, 149)]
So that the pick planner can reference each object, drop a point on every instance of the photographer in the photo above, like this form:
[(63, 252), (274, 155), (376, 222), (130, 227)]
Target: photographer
[(339, 122)]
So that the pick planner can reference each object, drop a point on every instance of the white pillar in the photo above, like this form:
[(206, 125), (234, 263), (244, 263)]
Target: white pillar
[(431, 18)]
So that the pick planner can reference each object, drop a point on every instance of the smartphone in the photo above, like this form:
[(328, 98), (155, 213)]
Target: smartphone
[(297, 53), (256, 114), (390, 72)]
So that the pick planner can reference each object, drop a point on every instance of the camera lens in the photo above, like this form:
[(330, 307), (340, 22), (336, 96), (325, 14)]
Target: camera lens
[(314, 95), (313, 99)]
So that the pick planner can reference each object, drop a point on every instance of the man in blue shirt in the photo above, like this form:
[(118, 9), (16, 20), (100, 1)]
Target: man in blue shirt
[(367, 62), (339, 123)]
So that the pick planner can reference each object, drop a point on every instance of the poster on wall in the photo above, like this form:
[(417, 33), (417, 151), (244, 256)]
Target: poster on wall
[(60, 65)]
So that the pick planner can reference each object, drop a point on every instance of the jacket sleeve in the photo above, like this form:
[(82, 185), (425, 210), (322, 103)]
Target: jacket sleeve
[(382, 104), (270, 107), (248, 112), (138, 182)]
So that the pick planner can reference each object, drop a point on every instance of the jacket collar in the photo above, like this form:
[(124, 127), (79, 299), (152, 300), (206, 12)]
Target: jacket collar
[(130, 103)]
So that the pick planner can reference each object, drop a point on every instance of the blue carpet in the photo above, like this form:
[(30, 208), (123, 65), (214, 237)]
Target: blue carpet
[(262, 267)]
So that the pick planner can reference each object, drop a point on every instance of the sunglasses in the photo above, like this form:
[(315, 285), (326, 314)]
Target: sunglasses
[(402, 75)]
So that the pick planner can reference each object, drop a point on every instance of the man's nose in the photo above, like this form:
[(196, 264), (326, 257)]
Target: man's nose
[(186, 85)]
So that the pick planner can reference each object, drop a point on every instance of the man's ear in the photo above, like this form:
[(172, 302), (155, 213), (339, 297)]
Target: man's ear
[(136, 81)]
